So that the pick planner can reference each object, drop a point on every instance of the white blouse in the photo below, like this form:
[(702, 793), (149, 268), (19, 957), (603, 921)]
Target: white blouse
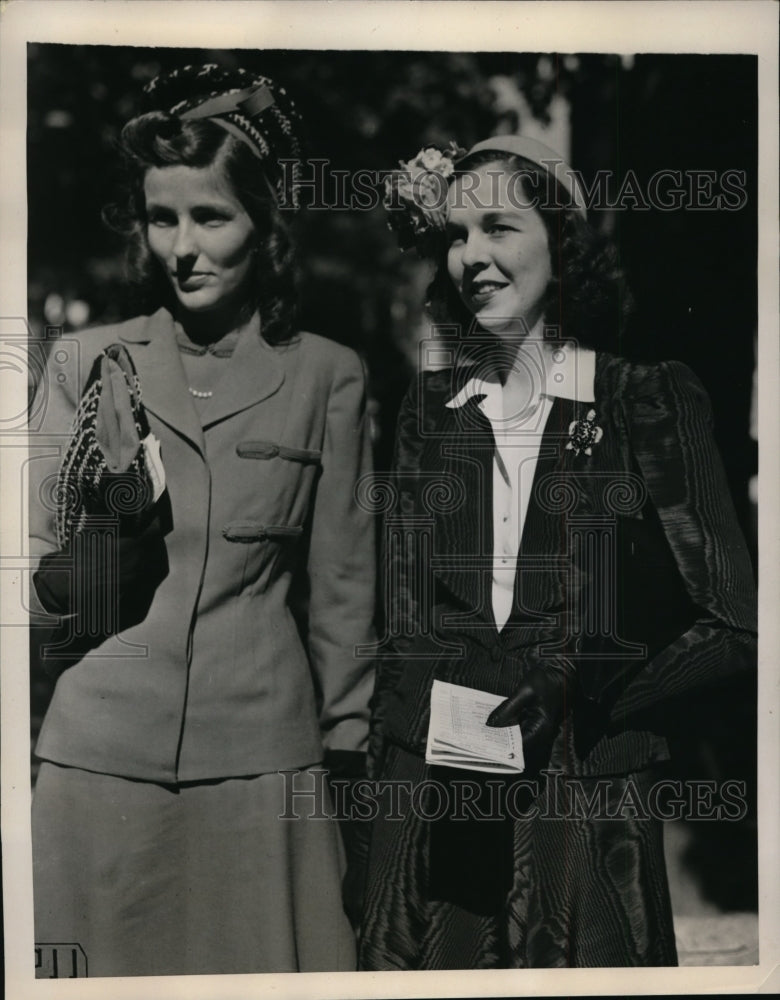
[(518, 412)]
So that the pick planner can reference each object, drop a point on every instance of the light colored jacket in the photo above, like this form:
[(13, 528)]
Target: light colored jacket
[(219, 680)]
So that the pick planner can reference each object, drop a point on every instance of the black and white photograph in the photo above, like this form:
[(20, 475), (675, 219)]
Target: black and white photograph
[(389, 465)]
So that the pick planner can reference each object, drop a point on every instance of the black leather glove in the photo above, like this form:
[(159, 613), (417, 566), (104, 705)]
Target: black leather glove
[(345, 769), (538, 707), (100, 583)]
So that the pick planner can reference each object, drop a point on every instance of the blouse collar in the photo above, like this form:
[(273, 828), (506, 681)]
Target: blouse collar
[(564, 370)]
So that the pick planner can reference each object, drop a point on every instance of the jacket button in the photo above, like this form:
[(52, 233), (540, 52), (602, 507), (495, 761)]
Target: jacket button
[(496, 654)]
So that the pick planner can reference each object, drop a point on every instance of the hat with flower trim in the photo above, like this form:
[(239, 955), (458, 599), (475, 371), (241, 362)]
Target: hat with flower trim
[(416, 195)]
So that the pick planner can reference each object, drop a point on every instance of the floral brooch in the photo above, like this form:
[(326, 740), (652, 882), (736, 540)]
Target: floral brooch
[(584, 433), (416, 195)]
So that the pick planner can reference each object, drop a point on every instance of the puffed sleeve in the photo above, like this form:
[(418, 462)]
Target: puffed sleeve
[(669, 422), (342, 567)]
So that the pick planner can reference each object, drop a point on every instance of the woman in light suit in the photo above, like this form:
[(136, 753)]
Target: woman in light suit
[(242, 598), (579, 559)]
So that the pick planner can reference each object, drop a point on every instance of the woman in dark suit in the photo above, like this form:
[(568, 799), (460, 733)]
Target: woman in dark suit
[(242, 594), (560, 535)]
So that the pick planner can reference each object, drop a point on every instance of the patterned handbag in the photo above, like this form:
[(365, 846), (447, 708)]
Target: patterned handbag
[(112, 468)]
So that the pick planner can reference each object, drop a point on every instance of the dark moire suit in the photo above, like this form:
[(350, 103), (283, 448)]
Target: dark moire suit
[(673, 613)]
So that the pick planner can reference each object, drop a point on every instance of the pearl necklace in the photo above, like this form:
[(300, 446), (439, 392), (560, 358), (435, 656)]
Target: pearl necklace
[(223, 348)]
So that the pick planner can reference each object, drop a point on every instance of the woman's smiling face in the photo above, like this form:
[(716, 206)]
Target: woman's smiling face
[(498, 257), (201, 235)]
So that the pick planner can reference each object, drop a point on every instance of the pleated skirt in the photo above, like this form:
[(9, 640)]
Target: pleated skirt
[(543, 887), (203, 878)]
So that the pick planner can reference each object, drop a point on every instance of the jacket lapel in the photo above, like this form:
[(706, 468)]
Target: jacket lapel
[(462, 452), (254, 372), (160, 372)]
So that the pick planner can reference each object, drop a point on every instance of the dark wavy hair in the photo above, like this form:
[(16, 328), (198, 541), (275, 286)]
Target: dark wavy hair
[(586, 299), (158, 139)]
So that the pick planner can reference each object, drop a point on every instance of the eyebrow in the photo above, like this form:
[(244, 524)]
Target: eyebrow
[(218, 206), (487, 219)]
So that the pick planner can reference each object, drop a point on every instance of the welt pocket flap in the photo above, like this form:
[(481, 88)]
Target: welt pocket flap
[(269, 449), (251, 531)]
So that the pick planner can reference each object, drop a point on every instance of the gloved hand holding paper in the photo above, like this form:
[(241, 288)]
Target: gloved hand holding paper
[(459, 737)]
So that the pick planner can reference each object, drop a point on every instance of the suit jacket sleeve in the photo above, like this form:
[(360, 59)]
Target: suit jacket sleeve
[(341, 567), (669, 422), (51, 417)]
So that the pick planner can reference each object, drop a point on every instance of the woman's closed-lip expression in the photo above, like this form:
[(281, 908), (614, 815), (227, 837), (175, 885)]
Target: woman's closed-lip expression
[(201, 235), (189, 282)]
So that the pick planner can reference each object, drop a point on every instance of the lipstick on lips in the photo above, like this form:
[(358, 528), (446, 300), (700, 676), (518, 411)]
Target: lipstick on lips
[(191, 281), (482, 290)]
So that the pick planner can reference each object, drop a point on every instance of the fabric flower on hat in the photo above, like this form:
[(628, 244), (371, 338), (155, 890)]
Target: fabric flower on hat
[(416, 195), (432, 158)]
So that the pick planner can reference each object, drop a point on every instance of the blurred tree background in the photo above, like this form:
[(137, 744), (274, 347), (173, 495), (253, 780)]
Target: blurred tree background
[(693, 273)]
